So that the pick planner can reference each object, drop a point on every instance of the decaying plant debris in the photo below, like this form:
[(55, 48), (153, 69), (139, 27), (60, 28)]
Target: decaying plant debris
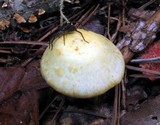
[(27, 27)]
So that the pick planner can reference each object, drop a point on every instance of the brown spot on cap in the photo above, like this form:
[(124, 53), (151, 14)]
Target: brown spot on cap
[(58, 71), (76, 49), (72, 69), (58, 52)]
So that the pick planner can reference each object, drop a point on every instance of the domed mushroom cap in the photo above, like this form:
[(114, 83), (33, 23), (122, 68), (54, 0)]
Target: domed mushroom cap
[(82, 66)]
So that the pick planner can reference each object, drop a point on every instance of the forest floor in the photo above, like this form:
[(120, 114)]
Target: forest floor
[(26, 29)]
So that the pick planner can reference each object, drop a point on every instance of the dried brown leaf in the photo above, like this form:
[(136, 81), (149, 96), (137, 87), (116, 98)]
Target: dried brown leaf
[(19, 98), (20, 109), (18, 78), (10, 81)]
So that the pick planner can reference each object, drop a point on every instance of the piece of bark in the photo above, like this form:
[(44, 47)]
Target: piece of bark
[(142, 14), (139, 37)]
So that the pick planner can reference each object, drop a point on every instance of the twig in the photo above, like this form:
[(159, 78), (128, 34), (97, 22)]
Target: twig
[(84, 112), (62, 16), (108, 22), (57, 98), (47, 34), (4, 60), (86, 16), (115, 109), (142, 70), (119, 105), (146, 4), (149, 60), (58, 110), (117, 28), (117, 101), (9, 60), (25, 42), (144, 76), (123, 85), (5, 51), (145, 32)]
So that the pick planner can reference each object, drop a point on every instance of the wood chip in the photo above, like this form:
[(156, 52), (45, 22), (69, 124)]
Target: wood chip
[(32, 18), (19, 18), (3, 24), (4, 5), (41, 11)]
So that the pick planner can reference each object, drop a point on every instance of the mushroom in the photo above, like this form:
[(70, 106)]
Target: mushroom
[(82, 64)]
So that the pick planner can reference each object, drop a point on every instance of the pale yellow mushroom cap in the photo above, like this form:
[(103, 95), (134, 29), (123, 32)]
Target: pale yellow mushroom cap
[(80, 69)]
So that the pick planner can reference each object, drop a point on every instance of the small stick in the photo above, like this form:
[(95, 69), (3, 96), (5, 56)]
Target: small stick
[(25, 43), (87, 16), (146, 4), (142, 70), (149, 60), (144, 76), (115, 113), (87, 112), (108, 22)]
